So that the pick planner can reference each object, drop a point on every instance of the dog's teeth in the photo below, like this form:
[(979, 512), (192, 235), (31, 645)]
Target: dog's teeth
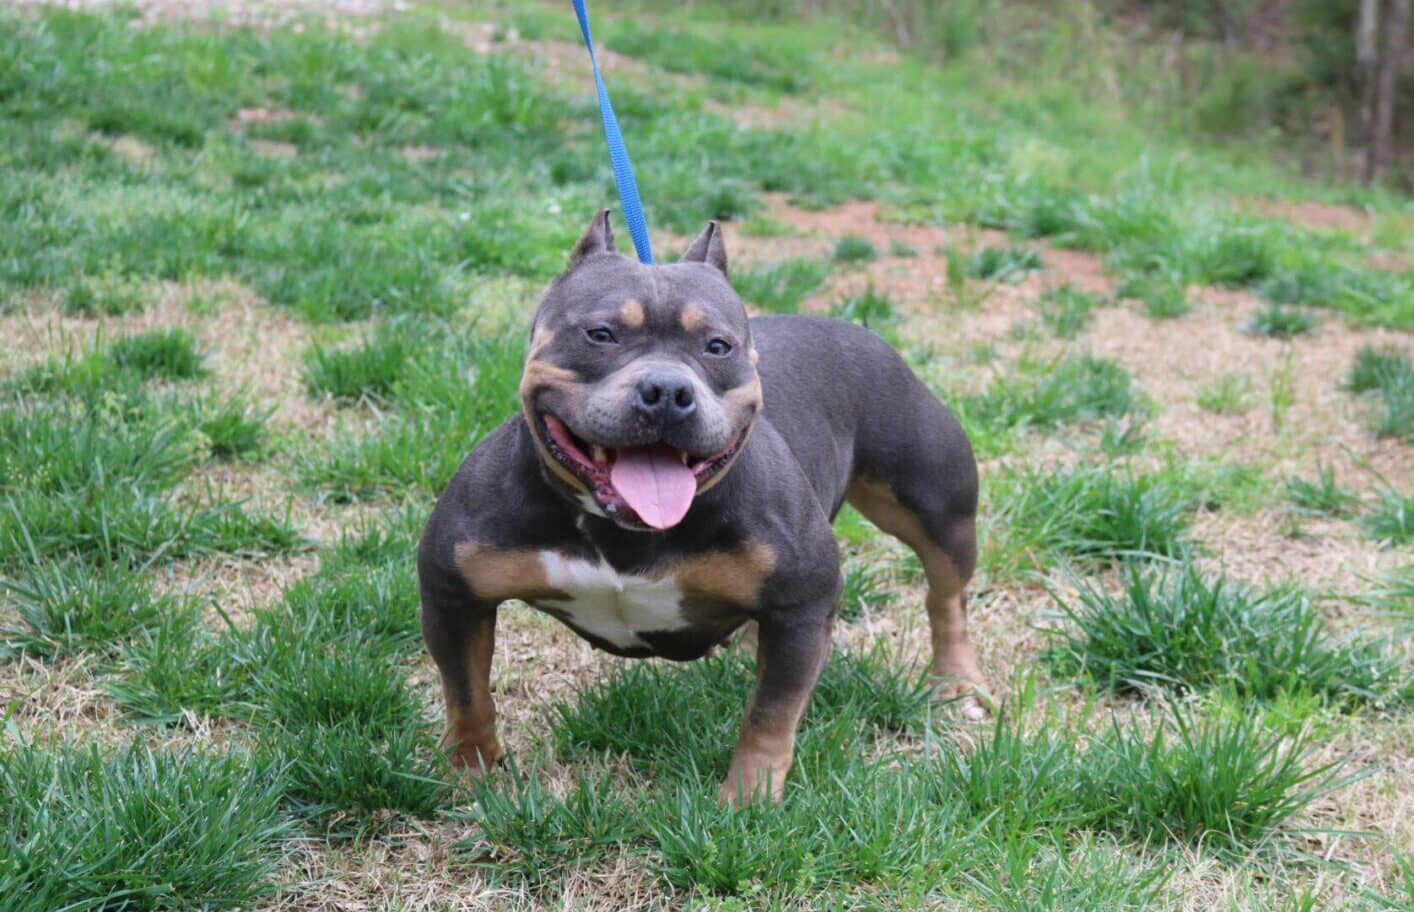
[(601, 455), (683, 454)]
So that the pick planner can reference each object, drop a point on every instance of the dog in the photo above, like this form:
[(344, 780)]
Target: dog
[(673, 474)]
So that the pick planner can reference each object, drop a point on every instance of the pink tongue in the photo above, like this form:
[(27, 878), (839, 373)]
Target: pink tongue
[(655, 483)]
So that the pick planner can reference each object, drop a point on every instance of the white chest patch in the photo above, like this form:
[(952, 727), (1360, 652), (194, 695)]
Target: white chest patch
[(610, 605)]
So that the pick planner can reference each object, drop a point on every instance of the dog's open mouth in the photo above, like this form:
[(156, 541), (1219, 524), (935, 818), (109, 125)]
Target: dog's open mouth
[(653, 484)]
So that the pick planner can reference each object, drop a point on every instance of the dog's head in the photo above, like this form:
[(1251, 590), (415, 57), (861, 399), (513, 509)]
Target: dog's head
[(640, 387)]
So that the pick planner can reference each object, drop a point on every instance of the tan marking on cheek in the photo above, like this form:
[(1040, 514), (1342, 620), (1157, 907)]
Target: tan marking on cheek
[(539, 342), (539, 374), (753, 355), (692, 317), (746, 396), (497, 574), (631, 313), (734, 576)]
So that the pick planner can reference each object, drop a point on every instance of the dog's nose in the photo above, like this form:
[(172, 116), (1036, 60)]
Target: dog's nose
[(666, 398)]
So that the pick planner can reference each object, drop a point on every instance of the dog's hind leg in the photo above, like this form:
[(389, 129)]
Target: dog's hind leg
[(945, 541)]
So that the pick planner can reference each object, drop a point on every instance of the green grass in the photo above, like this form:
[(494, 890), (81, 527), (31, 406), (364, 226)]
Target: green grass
[(854, 249), (1046, 395), (231, 428), (1065, 310), (780, 288), (1387, 377), (1391, 522), (1003, 264), (872, 309), (1280, 322), (1321, 496), (1182, 629), (1227, 394), (1163, 299), (66, 608), (1088, 515), (139, 827), (169, 354)]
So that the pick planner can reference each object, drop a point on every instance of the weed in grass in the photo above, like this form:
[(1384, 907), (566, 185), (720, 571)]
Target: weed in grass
[(762, 227), (902, 249), (873, 310), (1065, 310), (177, 673), (136, 827), (1220, 779), (107, 294), (679, 723), (343, 774), (67, 607), (864, 591), (1234, 256), (1281, 388), (780, 288), (230, 428), (1163, 298), (1387, 376), (461, 386), (535, 834), (167, 354), (369, 369), (1322, 496), (1092, 514), (854, 249), (1003, 264), (1180, 628), (1227, 394), (1391, 522), (1049, 394), (1280, 322), (1220, 485)]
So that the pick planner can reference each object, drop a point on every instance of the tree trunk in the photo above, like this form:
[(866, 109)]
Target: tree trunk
[(1381, 151), (1367, 59)]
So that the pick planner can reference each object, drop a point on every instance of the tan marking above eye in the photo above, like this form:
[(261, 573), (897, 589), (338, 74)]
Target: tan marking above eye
[(497, 574), (693, 317), (631, 313)]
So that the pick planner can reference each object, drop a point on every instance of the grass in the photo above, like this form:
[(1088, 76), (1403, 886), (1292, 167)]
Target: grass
[(1065, 311), (1045, 395), (1087, 515), (1003, 264), (1391, 522), (67, 608), (854, 249), (1226, 394), (1163, 298), (873, 310), (1179, 628), (1387, 377), (86, 829), (780, 288), (1280, 322), (1168, 752), (1322, 496)]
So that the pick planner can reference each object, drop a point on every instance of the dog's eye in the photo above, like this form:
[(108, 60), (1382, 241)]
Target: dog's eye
[(719, 347), (601, 334)]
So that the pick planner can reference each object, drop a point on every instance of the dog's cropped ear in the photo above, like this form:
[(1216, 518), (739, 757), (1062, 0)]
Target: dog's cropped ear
[(598, 238), (708, 248)]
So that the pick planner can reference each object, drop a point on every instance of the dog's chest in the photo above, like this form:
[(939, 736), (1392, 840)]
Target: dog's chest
[(615, 607)]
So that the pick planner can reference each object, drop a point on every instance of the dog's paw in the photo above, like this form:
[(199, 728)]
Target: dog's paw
[(968, 698)]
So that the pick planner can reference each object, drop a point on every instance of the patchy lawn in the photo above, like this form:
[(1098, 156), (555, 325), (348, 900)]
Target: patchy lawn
[(265, 279)]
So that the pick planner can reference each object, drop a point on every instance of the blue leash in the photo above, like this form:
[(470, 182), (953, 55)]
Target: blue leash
[(618, 155)]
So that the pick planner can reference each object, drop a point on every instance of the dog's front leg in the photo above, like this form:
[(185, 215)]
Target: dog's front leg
[(790, 652), (461, 635)]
